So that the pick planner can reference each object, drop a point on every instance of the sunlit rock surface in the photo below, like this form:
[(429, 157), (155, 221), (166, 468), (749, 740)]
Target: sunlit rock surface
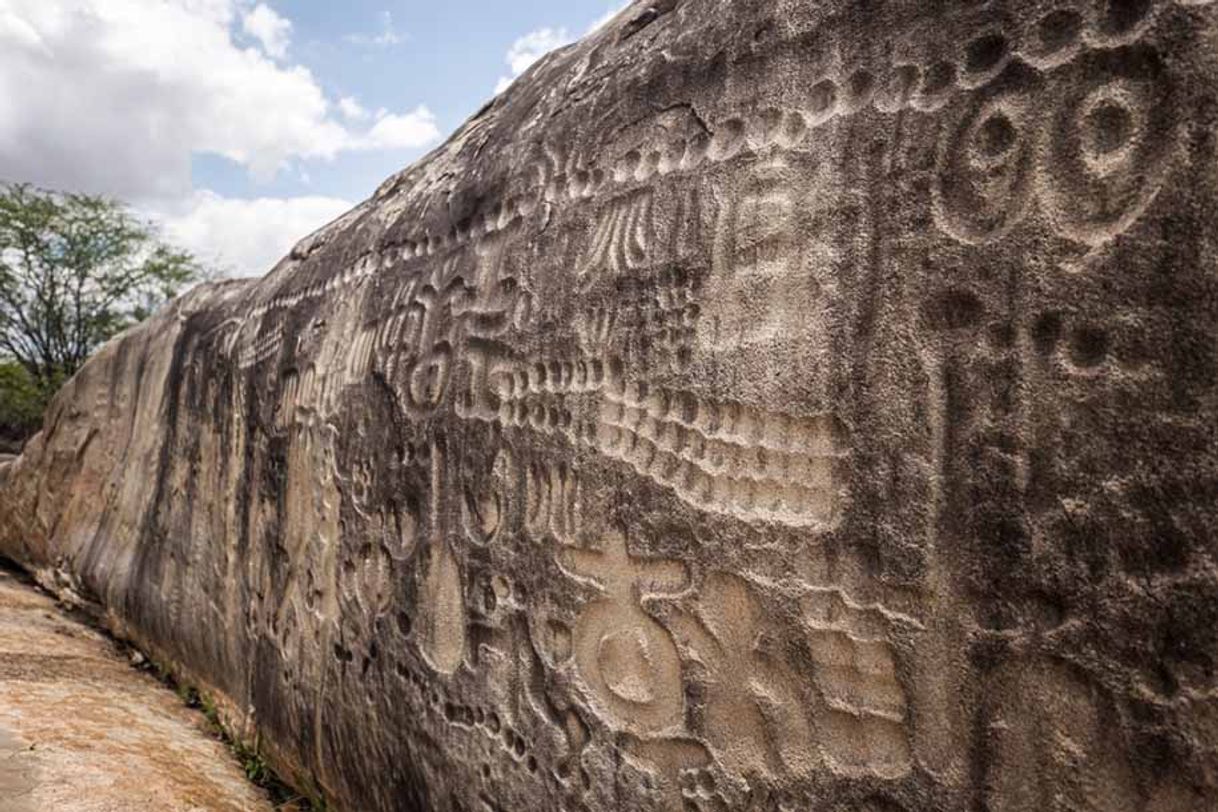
[(761, 405), (82, 731)]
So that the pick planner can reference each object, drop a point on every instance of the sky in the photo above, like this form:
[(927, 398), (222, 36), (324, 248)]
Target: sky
[(240, 126)]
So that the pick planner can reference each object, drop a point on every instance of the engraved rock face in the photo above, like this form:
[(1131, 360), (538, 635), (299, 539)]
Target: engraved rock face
[(760, 406)]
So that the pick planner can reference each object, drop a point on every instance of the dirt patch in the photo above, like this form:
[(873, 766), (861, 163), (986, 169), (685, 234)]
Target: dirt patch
[(81, 731)]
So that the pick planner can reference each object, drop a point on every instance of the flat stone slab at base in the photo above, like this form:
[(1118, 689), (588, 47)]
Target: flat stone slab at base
[(81, 731)]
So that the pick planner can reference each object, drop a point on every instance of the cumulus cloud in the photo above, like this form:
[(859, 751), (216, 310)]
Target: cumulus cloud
[(528, 49), (244, 237), (534, 45), (387, 37), (416, 128), (116, 95), (272, 31), (351, 109)]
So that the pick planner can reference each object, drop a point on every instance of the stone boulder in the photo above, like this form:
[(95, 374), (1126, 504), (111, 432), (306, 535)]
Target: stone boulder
[(761, 405)]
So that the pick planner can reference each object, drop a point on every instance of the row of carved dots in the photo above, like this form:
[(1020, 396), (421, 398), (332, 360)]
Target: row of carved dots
[(980, 59)]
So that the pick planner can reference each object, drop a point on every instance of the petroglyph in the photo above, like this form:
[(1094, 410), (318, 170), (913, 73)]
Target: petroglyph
[(864, 724), (753, 718), (803, 407), (1094, 159), (627, 660), (554, 502), (1108, 145), (728, 457), (985, 170), (622, 237), (441, 630)]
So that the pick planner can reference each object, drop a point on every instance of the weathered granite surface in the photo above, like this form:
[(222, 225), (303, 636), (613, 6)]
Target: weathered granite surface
[(762, 405)]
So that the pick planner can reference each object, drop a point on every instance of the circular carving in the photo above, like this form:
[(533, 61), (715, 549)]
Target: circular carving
[(995, 137), (984, 58), (631, 665), (822, 98), (897, 88), (624, 657), (1118, 22), (1054, 39), (985, 53), (862, 85), (1106, 128), (937, 85), (984, 169), (1107, 149)]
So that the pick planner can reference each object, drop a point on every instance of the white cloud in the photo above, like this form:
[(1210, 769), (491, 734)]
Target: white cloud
[(403, 131), (534, 45), (17, 32), (244, 237), (528, 49), (115, 96), (272, 31), (387, 37), (118, 96), (351, 109)]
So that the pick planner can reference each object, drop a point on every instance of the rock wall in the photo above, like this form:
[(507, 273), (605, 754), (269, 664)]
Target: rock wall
[(762, 405)]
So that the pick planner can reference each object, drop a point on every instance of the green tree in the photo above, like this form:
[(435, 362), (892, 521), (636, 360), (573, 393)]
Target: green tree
[(21, 405), (74, 270)]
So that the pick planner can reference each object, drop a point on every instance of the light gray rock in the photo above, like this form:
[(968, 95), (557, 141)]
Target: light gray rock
[(762, 405)]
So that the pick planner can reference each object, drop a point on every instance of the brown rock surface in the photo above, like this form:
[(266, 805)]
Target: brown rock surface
[(762, 405), (81, 731)]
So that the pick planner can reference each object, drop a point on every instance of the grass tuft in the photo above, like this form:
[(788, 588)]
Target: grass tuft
[(256, 769)]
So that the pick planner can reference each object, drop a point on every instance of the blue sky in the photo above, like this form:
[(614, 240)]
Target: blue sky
[(448, 56), (241, 125)]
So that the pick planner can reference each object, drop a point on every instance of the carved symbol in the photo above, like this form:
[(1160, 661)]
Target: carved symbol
[(985, 166), (1108, 147), (359, 358), (553, 502), (484, 507), (595, 327), (427, 378), (863, 725), (263, 348), (364, 582), (728, 457), (622, 237), (441, 600), (756, 234), (627, 659), (301, 396), (1055, 39), (420, 340), (754, 720), (442, 632)]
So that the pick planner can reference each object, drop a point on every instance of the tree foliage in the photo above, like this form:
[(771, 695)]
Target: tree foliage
[(75, 270), (21, 405)]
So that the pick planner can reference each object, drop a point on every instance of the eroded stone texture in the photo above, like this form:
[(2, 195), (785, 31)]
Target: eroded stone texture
[(762, 405)]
